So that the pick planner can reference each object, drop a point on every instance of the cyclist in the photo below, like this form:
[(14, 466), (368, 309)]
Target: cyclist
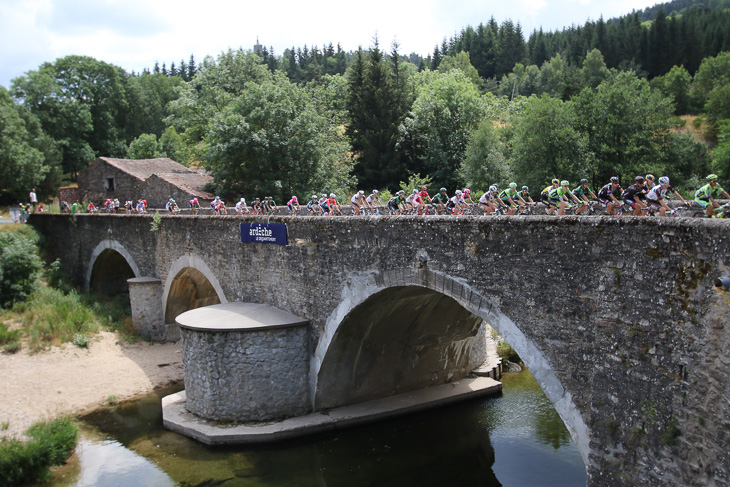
[(439, 201), (140, 207), (334, 206), (128, 206), (467, 196), (257, 207), (655, 197), (91, 208), (313, 206), (524, 195), (241, 207), (635, 195), (544, 197), (559, 198), (214, 205), (292, 203), (607, 196), (171, 206), (488, 201), (357, 201), (397, 204), (269, 205), (706, 195), (372, 199), (650, 183), (581, 193), (420, 200), (508, 197), (194, 205), (457, 203)]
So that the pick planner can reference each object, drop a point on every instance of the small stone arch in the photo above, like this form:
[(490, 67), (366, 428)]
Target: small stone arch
[(109, 268), (190, 284), (363, 287)]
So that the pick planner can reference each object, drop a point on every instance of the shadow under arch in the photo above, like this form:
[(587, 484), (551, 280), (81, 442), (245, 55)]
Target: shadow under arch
[(190, 284), (371, 293), (109, 268)]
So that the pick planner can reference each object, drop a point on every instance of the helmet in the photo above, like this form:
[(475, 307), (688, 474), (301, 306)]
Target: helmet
[(258, 199), (564, 183), (375, 191), (442, 190), (401, 192), (423, 188), (467, 191), (555, 181), (663, 180), (584, 181), (324, 195), (650, 177), (513, 185), (525, 188), (712, 177), (458, 192), (171, 199), (361, 192), (332, 195), (217, 197), (614, 179), (242, 200), (294, 198), (415, 191), (493, 188), (314, 196), (639, 179)]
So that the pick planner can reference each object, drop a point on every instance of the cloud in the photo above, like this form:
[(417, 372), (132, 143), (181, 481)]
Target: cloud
[(129, 18)]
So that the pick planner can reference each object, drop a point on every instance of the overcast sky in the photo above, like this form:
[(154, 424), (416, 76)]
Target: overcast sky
[(133, 34)]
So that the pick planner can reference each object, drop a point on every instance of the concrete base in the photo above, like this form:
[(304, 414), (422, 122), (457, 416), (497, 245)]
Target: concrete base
[(177, 418)]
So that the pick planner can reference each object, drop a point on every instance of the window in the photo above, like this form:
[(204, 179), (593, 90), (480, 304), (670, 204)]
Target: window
[(109, 184)]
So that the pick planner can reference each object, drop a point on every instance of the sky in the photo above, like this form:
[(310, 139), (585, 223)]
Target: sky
[(133, 34)]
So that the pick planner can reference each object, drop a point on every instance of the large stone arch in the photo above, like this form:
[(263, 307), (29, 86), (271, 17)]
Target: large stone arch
[(190, 284), (365, 291), (109, 268)]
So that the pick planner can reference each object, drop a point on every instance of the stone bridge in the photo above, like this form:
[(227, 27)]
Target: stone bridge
[(619, 320)]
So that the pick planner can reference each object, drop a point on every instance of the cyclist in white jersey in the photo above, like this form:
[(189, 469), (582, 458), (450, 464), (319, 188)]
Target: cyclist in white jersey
[(656, 195)]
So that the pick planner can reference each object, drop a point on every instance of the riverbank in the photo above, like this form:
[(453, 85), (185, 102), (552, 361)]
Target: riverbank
[(69, 380)]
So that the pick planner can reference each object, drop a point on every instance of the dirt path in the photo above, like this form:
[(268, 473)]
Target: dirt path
[(71, 379)]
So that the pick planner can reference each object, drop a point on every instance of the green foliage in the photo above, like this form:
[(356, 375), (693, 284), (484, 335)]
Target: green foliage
[(682, 157), (81, 340), (484, 162), (174, 147), (448, 108), (507, 353), (460, 61), (7, 335), (546, 144), (146, 146), (19, 265), (594, 70), (51, 443), (721, 152), (22, 165), (156, 221), (670, 435), (676, 84), (415, 181), (627, 124), (718, 105)]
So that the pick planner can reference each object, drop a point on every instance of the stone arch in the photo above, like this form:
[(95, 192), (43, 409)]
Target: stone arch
[(366, 290), (190, 284), (109, 268)]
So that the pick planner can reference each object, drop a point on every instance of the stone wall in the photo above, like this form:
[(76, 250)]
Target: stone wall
[(246, 375), (618, 318), (92, 184)]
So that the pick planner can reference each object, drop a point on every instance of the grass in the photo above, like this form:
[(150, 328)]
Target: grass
[(51, 443), (52, 317)]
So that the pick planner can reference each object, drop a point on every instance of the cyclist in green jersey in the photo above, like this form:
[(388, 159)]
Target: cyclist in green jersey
[(439, 201), (524, 196), (582, 193), (705, 196), (560, 198), (509, 198)]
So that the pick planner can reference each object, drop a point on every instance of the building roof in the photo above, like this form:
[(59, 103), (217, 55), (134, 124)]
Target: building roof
[(144, 168), (190, 182)]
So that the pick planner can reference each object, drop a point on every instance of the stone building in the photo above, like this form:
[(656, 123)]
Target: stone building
[(155, 180)]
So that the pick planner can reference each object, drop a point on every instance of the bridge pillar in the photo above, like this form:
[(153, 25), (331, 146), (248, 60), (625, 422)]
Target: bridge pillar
[(145, 297)]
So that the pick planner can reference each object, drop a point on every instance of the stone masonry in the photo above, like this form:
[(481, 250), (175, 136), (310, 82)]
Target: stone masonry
[(618, 318)]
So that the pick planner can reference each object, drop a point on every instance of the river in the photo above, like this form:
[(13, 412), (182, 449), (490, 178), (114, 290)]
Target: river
[(513, 439)]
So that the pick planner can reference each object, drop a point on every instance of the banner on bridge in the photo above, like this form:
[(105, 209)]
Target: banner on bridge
[(268, 233)]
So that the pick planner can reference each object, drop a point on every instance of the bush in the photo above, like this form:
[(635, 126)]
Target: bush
[(19, 265), (51, 443), (507, 353)]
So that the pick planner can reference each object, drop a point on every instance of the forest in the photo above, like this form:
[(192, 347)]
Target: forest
[(648, 92)]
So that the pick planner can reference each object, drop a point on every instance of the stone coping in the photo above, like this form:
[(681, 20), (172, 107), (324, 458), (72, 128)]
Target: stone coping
[(177, 418), (144, 280), (238, 317)]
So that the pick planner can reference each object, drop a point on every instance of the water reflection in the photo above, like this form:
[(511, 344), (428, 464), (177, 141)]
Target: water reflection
[(514, 439)]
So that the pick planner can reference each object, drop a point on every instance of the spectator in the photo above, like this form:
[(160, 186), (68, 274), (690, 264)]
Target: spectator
[(33, 199)]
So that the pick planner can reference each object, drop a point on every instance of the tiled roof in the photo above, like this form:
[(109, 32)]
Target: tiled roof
[(144, 168), (190, 182)]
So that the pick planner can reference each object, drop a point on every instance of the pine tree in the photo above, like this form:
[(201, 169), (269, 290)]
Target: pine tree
[(192, 68)]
